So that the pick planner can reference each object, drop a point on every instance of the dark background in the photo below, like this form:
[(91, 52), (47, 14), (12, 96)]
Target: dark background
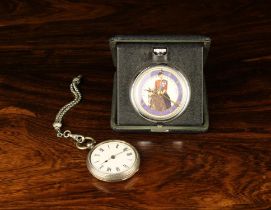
[(44, 44)]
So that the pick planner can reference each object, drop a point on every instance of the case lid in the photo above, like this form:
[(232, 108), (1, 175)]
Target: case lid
[(206, 41)]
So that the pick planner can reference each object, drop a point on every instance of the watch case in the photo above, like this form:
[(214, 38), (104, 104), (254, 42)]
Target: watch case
[(132, 55)]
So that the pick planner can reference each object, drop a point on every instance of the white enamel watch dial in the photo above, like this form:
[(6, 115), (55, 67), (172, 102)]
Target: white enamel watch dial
[(160, 93), (113, 161)]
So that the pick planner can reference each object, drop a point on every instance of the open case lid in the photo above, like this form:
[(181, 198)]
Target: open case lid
[(206, 41)]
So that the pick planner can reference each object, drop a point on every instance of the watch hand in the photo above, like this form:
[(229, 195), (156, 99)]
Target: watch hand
[(113, 156), (117, 154), (106, 160)]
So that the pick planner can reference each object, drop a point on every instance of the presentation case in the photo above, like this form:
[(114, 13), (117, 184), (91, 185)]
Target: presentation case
[(159, 83)]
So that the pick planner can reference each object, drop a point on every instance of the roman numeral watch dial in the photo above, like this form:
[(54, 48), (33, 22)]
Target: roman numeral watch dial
[(113, 160)]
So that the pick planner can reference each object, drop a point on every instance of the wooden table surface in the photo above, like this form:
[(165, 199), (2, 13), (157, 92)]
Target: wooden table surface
[(43, 44)]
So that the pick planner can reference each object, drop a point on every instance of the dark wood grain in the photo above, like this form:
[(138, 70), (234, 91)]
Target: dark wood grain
[(43, 44)]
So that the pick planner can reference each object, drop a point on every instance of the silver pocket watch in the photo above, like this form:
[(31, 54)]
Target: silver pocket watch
[(113, 160), (110, 160)]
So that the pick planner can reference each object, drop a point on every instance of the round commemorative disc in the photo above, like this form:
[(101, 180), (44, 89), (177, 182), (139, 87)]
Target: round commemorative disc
[(160, 93)]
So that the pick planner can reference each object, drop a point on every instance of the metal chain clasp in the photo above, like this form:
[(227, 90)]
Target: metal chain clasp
[(81, 142), (88, 143), (78, 138)]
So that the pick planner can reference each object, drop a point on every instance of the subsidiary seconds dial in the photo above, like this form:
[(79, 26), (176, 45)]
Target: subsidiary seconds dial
[(113, 160)]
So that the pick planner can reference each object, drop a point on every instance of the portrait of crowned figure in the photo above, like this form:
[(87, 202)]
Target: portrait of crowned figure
[(159, 99)]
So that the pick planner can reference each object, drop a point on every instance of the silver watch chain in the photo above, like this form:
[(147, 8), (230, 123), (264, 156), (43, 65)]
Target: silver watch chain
[(81, 142)]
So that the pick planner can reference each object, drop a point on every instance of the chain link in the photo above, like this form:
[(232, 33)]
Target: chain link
[(81, 141)]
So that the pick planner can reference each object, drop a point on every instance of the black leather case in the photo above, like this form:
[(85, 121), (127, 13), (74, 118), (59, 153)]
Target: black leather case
[(132, 54)]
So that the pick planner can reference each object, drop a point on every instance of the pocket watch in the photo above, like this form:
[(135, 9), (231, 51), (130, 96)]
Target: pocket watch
[(109, 161), (113, 160), (160, 93)]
